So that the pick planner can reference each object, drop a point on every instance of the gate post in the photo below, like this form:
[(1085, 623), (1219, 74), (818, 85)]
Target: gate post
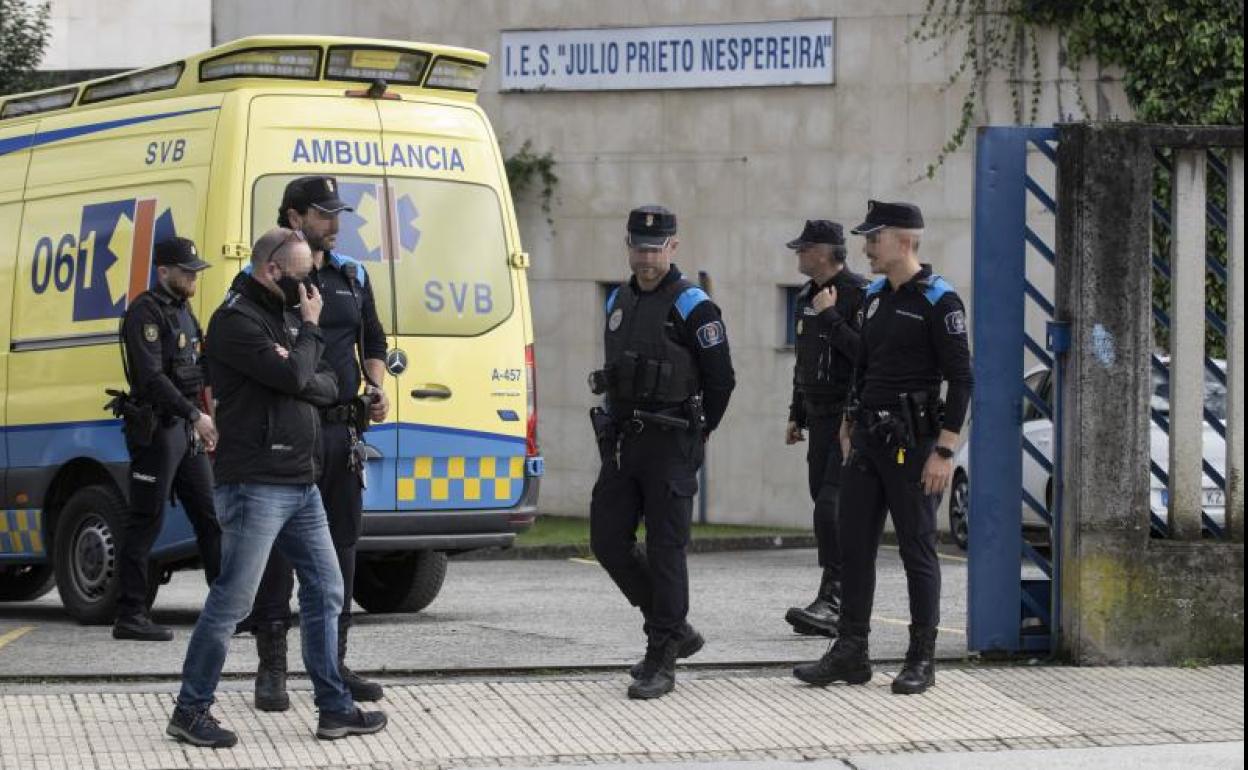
[(1104, 193), (1126, 598)]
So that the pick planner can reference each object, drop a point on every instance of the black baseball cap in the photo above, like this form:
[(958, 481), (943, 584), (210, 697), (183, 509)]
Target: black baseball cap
[(319, 192), (649, 227), (880, 215), (178, 252), (819, 231)]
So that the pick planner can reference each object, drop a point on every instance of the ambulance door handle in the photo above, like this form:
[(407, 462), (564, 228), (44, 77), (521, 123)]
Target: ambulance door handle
[(440, 392)]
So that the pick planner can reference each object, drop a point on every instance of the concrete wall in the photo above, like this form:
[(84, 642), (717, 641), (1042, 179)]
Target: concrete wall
[(743, 168), (1126, 598), (125, 34)]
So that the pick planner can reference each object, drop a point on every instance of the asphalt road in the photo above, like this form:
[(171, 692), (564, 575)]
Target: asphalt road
[(508, 615)]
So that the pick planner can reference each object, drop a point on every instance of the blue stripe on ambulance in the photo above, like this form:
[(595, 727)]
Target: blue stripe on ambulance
[(29, 141)]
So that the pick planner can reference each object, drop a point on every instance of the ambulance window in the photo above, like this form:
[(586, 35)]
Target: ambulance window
[(361, 234), (451, 259)]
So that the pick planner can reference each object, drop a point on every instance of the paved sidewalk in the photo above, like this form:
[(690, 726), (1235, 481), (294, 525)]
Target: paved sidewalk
[(713, 716)]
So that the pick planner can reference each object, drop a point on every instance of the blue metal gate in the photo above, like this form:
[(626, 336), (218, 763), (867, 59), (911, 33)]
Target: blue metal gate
[(1013, 598)]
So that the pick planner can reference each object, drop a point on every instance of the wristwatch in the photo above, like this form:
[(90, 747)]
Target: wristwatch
[(944, 452)]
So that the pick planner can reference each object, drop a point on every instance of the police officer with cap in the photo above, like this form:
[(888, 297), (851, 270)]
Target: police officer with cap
[(167, 434), (825, 323), (901, 441), (667, 380), (355, 347)]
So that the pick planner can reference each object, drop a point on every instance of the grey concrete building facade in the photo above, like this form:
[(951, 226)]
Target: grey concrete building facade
[(742, 167)]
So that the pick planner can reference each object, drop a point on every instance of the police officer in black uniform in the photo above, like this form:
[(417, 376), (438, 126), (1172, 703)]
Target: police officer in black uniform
[(825, 323), (667, 380), (901, 440), (355, 345), (167, 434)]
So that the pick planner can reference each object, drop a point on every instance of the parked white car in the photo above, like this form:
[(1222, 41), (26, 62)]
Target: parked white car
[(1039, 430)]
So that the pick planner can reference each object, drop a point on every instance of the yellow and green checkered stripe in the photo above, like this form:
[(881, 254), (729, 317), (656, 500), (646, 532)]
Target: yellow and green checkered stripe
[(446, 481), (21, 533)]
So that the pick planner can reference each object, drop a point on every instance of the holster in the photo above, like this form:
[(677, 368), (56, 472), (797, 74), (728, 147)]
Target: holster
[(138, 420), (606, 431)]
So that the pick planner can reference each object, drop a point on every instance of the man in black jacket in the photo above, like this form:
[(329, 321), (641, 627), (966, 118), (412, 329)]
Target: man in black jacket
[(264, 364), (825, 326)]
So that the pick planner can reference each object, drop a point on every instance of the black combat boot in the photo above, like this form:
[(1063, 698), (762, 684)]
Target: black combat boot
[(688, 645), (821, 616), (141, 628), (919, 671), (271, 674), (658, 675), (361, 689), (845, 661)]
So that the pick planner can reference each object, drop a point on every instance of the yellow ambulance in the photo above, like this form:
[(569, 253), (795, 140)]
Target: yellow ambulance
[(91, 175)]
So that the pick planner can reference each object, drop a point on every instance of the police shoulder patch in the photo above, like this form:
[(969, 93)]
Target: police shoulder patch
[(617, 316), (151, 332), (711, 334), (955, 322)]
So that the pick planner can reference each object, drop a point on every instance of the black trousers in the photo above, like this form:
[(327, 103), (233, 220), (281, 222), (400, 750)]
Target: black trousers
[(655, 482), (875, 484), (169, 464), (343, 496), (823, 463)]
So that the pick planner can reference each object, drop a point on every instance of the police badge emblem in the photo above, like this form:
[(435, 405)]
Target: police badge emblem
[(151, 332), (617, 317), (800, 326), (874, 306), (181, 340), (329, 185), (649, 220)]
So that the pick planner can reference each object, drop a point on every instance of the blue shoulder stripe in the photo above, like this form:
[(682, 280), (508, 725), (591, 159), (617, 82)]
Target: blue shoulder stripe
[(876, 286), (688, 300), (339, 260), (937, 287), (611, 298)]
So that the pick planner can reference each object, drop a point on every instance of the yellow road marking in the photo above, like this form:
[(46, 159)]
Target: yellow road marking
[(14, 635), (896, 622)]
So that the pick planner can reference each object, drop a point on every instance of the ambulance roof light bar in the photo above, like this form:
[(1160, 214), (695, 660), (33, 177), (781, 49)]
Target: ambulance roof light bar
[(290, 63), (456, 75), (132, 83), (368, 64), (45, 102)]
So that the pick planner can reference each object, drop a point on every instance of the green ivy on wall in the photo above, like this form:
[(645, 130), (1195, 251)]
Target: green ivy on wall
[(1182, 60), (528, 170)]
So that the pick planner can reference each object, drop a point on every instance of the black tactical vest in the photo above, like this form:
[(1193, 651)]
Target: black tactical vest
[(180, 342), (814, 371), (645, 366)]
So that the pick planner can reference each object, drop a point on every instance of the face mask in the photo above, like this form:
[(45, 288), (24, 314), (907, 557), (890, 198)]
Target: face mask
[(290, 289)]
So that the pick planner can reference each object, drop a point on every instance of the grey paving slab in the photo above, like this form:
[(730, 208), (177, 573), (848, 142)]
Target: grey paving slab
[(974, 718), (512, 614)]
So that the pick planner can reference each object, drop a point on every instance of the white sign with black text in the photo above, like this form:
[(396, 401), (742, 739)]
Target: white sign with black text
[(769, 53)]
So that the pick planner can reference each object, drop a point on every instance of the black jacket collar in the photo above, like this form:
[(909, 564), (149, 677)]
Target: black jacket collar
[(253, 290)]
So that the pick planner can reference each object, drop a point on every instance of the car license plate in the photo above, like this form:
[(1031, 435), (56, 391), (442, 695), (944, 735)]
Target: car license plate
[(1214, 498)]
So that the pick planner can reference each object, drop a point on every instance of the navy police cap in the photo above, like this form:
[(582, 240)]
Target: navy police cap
[(649, 227), (178, 252), (319, 192), (819, 231), (880, 215)]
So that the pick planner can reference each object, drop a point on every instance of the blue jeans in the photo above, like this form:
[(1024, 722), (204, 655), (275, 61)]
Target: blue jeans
[(253, 518)]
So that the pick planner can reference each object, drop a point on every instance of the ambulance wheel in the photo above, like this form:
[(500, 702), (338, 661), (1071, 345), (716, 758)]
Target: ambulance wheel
[(87, 551), (25, 582), (407, 583)]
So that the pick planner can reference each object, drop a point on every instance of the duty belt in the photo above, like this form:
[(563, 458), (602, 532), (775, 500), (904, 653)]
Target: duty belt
[(341, 413)]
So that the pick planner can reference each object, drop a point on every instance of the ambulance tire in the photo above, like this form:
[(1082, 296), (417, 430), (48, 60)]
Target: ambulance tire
[(408, 583), (25, 582), (86, 548)]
